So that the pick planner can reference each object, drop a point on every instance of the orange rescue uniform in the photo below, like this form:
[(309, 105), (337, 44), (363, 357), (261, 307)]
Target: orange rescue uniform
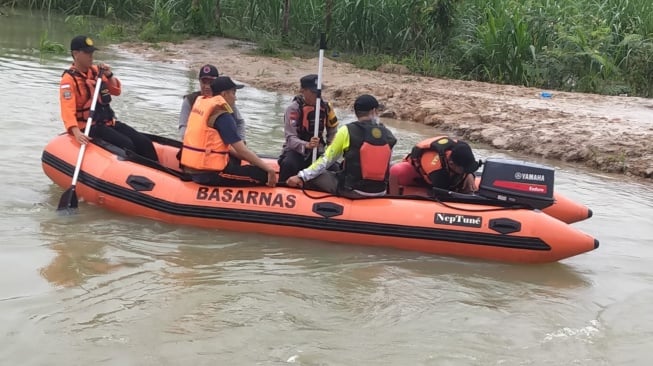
[(75, 94)]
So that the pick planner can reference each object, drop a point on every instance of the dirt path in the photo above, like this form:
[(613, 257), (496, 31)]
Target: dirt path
[(602, 132)]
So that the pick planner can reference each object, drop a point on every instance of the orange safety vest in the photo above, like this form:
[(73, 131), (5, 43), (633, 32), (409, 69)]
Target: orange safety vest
[(203, 148), (431, 155), (307, 116), (76, 94)]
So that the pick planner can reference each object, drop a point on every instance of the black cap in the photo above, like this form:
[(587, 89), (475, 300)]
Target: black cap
[(365, 103), (208, 71), (462, 155), (82, 43), (223, 83), (309, 82)]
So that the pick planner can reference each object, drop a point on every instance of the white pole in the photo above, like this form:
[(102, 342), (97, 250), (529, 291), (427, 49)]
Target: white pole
[(318, 102)]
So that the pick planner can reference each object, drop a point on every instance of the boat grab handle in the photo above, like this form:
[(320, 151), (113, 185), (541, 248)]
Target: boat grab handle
[(328, 209), (505, 225)]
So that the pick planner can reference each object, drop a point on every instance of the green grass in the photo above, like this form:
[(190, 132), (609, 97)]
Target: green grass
[(603, 46)]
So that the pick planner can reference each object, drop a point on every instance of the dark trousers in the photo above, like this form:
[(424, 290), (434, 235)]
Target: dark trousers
[(291, 162), (125, 137), (234, 175)]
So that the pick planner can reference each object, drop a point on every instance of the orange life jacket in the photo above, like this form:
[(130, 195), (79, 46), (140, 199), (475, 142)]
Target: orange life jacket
[(84, 86), (307, 117), (203, 148), (431, 155)]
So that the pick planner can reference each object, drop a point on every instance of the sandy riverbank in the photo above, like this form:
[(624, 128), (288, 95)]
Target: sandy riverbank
[(602, 132)]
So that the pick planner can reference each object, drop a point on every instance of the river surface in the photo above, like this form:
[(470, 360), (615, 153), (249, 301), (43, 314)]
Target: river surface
[(99, 288)]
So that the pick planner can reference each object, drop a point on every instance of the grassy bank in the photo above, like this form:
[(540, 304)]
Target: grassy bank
[(601, 46)]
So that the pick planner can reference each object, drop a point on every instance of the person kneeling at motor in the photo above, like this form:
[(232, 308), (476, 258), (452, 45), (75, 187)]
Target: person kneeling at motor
[(367, 149), (212, 150), (442, 162)]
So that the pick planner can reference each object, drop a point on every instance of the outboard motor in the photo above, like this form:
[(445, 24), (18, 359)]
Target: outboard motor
[(517, 182)]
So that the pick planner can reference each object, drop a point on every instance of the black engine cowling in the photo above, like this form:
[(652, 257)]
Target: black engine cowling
[(517, 182)]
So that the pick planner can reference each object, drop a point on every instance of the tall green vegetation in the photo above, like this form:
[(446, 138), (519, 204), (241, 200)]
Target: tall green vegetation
[(120, 9), (390, 26), (603, 46), (592, 46)]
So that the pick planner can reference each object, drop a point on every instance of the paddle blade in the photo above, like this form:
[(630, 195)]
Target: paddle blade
[(68, 200)]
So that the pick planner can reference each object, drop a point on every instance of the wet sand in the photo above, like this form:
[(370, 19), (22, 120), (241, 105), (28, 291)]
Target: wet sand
[(606, 133)]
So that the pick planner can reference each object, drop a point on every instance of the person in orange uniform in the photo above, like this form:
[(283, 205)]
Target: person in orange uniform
[(212, 150), (76, 93), (366, 146), (440, 162)]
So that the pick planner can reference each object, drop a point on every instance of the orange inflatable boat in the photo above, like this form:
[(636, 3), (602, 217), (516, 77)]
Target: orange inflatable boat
[(489, 229)]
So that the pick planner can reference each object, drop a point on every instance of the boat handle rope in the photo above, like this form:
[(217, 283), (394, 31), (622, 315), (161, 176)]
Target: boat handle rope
[(421, 198)]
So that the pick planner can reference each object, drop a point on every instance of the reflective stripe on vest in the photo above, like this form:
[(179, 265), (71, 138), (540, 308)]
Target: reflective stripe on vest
[(103, 112)]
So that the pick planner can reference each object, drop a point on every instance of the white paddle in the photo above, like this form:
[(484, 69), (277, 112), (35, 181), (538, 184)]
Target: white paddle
[(318, 102), (68, 199)]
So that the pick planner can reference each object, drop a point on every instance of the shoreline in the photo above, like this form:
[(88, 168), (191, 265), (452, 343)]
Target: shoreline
[(606, 133)]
